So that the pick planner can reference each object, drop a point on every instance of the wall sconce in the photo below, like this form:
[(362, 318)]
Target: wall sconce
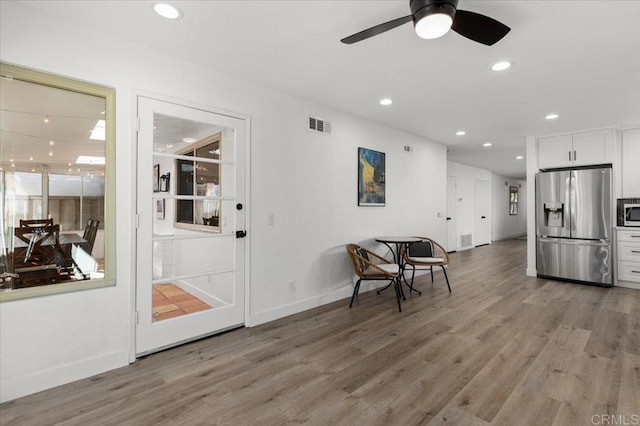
[(165, 184)]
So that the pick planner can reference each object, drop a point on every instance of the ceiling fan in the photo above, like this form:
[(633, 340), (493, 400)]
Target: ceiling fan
[(433, 18)]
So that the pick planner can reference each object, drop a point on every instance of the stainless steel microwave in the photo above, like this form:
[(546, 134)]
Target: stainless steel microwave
[(631, 214)]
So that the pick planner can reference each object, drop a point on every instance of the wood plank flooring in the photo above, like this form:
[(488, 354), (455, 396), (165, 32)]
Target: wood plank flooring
[(502, 349)]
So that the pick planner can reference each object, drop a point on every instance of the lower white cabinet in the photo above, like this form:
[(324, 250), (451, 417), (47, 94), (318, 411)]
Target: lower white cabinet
[(628, 249)]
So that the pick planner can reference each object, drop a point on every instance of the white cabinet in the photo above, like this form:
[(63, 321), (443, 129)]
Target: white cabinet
[(628, 249), (631, 163), (578, 149), (555, 151)]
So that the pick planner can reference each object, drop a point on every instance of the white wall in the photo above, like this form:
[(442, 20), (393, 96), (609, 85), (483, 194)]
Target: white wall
[(307, 181), (506, 225), (466, 177)]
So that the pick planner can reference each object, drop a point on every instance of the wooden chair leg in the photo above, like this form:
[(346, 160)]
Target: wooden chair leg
[(446, 277), (355, 293)]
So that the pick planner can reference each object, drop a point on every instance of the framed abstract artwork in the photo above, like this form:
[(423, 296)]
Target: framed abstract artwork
[(371, 177)]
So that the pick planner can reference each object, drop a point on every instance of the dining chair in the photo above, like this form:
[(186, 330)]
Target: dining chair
[(369, 266), (35, 223), (90, 232), (426, 254), (42, 255)]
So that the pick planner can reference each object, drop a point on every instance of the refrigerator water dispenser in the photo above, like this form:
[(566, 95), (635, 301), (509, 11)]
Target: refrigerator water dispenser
[(554, 214)]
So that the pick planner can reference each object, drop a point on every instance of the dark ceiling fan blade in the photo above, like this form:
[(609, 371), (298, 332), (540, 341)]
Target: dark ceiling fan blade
[(478, 27), (378, 29)]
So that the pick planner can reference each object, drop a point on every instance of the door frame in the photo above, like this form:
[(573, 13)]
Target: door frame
[(135, 220)]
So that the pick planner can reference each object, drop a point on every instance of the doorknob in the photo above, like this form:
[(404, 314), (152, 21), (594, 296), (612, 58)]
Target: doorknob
[(448, 218), (241, 234), (483, 217)]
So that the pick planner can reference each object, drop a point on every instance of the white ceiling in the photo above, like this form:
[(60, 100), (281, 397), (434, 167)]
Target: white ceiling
[(576, 58)]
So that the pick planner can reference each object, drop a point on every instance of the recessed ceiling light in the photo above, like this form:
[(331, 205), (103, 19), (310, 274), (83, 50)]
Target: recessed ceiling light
[(552, 116), (501, 66), (519, 157), (461, 133), (50, 153), (189, 140), (487, 144), (167, 11), (52, 143), (46, 119), (386, 101)]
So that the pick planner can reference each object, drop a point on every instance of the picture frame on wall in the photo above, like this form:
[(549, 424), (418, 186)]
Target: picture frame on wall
[(160, 209), (513, 200), (371, 178), (156, 178)]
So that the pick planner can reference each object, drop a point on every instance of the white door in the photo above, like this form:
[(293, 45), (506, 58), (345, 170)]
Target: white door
[(482, 213), (452, 227), (190, 279)]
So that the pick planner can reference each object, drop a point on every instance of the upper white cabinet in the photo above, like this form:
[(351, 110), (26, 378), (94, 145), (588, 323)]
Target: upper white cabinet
[(631, 163), (555, 151), (578, 149)]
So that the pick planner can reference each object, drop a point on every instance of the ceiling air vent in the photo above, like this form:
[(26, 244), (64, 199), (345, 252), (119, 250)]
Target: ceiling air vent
[(319, 126)]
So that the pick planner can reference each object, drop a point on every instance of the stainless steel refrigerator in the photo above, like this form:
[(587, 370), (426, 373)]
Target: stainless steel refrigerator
[(574, 225)]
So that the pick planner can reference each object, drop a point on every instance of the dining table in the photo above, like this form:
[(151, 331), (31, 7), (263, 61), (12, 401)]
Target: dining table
[(66, 241), (396, 244)]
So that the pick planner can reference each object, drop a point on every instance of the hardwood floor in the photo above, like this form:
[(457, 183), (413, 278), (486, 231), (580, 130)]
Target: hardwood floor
[(502, 349)]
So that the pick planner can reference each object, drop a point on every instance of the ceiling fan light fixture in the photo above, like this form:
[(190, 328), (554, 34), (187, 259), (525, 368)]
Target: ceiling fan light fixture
[(432, 19), (433, 26)]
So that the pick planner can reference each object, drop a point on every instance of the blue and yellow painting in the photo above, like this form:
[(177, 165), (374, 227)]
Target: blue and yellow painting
[(371, 177)]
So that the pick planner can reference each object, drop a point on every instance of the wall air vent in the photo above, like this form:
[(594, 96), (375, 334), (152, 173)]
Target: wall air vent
[(466, 240), (319, 126)]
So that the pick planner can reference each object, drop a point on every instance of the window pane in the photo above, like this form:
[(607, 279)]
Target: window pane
[(93, 200), (62, 132), (64, 201), (23, 197), (29, 184)]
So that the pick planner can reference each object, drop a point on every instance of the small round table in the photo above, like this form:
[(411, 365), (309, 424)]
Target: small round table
[(399, 242)]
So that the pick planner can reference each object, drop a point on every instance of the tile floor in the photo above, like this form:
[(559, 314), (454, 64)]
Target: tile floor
[(171, 301)]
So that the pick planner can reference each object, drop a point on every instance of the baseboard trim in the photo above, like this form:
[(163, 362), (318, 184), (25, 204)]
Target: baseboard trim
[(344, 292), (628, 284), (532, 272), (16, 387)]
